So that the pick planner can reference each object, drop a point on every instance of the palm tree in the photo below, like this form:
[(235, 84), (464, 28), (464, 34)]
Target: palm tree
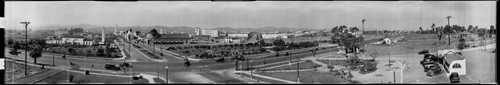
[(433, 25), (449, 35), (363, 24), (448, 17)]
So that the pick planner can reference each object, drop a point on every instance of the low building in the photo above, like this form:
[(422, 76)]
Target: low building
[(268, 36), (232, 40), (80, 41), (167, 39), (237, 35)]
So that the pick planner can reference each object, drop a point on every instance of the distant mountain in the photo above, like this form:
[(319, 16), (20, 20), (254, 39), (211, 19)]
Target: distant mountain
[(261, 29), (166, 29)]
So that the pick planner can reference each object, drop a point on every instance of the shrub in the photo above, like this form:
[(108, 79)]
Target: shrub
[(461, 46)]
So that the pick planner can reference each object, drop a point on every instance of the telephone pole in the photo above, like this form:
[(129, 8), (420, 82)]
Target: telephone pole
[(26, 48)]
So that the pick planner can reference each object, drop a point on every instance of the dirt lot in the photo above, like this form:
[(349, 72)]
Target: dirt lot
[(19, 70)]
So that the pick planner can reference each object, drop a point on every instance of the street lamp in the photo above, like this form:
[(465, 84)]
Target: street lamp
[(54, 51), (166, 75), (298, 60), (26, 49)]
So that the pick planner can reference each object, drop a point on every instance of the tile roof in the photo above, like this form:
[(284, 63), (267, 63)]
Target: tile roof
[(175, 36)]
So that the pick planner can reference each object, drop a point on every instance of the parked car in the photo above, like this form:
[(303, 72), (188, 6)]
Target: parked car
[(137, 77), (111, 66), (454, 78)]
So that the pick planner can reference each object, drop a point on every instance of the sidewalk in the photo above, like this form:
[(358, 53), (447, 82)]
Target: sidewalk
[(67, 56)]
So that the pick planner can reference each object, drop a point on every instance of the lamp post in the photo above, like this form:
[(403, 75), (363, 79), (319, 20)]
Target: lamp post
[(53, 63), (85, 62), (166, 74), (26, 49), (130, 71), (251, 72)]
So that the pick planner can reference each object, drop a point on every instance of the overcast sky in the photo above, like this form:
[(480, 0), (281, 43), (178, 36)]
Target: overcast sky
[(398, 15)]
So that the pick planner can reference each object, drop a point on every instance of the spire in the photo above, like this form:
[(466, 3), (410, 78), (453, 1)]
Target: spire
[(161, 30)]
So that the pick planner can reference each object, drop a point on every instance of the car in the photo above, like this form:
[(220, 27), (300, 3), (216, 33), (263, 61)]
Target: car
[(454, 78), (137, 77), (111, 66)]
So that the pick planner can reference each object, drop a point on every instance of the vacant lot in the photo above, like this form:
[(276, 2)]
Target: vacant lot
[(308, 77), (82, 79), (19, 70)]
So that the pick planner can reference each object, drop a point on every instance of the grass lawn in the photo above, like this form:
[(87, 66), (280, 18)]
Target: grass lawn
[(80, 52), (303, 65), (334, 62), (307, 77), (219, 78), (150, 55), (81, 79), (338, 62), (158, 81)]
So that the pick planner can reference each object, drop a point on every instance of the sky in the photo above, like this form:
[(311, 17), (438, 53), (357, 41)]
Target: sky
[(380, 15)]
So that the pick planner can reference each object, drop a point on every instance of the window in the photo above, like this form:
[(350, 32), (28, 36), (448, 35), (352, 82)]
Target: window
[(457, 65)]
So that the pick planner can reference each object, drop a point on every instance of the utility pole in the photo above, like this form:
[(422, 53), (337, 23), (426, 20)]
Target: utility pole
[(54, 55), (394, 75), (166, 75), (298, 60), (390, 65), (130, 69), (251, 72), (26, 48)]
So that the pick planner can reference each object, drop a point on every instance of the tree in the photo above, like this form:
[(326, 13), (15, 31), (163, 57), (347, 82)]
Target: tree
[(261, 43), (421, 30), (475, 29), (492, 30), (354, 29), (279, 42), (432, 26), (363, 24), (14, 52), (461, 40), (461, 46), (36, 53), (154, 33), (470, 28), (138, 32)]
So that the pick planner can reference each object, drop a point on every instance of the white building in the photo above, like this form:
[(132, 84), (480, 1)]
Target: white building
[(232, 40), (237, 35), (211, 33), (80, 41), (267, 36)]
